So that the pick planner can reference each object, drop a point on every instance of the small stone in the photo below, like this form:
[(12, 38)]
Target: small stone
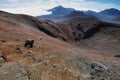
[(3, 41), (31, 54), (68, 70), (54, 65)]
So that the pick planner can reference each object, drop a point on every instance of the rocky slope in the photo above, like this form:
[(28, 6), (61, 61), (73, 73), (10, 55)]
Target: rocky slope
[(51, 58), (80, 25)]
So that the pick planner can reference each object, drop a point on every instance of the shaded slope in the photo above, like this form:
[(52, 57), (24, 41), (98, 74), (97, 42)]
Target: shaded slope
[(71, 31)]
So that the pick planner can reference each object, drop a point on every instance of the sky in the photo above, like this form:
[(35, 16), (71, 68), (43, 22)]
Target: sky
[(40, 7)]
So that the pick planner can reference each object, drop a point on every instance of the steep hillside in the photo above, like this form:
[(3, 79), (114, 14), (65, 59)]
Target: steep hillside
[(49, 58), (93, 32), (90, 27)]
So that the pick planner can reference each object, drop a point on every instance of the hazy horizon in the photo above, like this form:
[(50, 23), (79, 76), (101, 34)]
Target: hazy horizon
[(40, 7)]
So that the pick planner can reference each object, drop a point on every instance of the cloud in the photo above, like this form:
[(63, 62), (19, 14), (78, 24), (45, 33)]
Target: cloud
[(28, 10), (12, 0), (39, 7), (89, 5)]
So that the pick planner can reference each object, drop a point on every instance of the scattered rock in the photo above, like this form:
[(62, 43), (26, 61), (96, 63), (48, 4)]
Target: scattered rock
[(18, 50), (3, 55), (118, 56), (55, 65), (31, 54), (98, 69), (29, 43), (68, 70), (13, 71), (3, 41), (98, 66)]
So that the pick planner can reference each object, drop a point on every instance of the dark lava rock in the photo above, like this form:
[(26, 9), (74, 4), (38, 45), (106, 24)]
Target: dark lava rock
[(29, 43)]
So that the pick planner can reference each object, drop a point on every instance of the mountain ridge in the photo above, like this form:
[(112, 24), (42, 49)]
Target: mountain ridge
[(108, 15)]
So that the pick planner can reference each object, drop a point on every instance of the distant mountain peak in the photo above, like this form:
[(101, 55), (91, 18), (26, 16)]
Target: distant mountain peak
[(111, 11), (60, 6), (60, 10), (56, 8)]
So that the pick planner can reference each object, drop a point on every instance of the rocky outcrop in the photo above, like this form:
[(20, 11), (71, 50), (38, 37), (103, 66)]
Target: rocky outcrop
[(13, 71), (55, 67), (93, 70)]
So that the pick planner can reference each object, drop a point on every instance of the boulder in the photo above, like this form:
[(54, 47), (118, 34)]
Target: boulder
[(97, 68), (29, 43), (13, 71), (118, 56)]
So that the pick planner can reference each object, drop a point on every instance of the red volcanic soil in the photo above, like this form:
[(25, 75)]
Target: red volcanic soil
[(49, 54), (15, 33)]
